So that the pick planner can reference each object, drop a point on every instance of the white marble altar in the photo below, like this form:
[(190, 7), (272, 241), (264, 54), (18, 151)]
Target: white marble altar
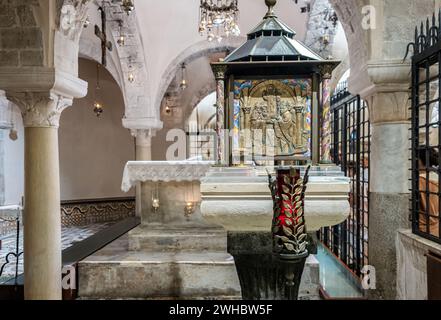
[(174, 253)]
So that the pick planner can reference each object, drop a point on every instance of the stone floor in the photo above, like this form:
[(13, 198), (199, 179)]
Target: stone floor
[(69, 236)]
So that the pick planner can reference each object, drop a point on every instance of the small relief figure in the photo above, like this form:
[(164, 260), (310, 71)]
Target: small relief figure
[(285, 130), (259, 113), (259, 118), (271, 96)]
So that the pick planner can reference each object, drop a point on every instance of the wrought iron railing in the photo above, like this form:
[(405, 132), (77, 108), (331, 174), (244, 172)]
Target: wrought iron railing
[(201, 145), (10, 260), (425, 127), (351, 150)]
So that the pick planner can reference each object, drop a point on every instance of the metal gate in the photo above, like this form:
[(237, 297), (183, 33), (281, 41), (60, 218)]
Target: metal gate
[(351, 150), (426, 135)]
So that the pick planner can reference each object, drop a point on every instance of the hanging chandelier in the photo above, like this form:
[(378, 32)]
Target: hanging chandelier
[(98, 107), (219, 19), (128, 6), (184, 84)]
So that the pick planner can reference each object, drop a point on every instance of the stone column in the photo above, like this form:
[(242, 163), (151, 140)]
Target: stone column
[(326, 129), (4, 125), (222, 154), (388, 101), (42, 220), (143, 149)]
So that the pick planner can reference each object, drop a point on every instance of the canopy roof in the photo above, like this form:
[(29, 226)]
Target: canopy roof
[(272, 40)]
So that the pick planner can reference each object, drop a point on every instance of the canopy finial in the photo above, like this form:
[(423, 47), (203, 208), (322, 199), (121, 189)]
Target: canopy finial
[(270, 4)]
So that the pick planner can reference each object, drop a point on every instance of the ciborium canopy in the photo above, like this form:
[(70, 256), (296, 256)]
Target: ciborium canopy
[(273, 99)]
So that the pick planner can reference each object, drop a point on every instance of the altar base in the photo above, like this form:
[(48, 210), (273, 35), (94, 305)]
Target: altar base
[(174, 253)]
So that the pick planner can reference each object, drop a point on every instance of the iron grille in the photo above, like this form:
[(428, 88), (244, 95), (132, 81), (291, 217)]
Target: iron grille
[(426, 136), (351, 150)]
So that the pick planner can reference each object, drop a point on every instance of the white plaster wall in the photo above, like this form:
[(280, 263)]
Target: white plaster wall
[(94, 151), (203, 112), (14, 162)]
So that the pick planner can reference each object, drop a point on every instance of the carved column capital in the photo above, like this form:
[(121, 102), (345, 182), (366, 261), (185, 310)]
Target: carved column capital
[(385, 86), (326, 70), (219, 71), (143, 137), (40, 109), (389, 107)]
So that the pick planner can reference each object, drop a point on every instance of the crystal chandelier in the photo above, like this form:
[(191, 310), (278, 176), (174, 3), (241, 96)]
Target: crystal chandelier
[(219, 19)]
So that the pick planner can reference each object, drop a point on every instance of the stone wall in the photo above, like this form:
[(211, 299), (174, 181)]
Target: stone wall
[(20, 38), (412, 265)]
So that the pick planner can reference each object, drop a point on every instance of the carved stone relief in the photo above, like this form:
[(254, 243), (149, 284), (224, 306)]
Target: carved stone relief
[(276, 116)]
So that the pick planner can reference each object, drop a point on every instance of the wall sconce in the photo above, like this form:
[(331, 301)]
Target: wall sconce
[(189, 209), (189, 200), (155, 198)]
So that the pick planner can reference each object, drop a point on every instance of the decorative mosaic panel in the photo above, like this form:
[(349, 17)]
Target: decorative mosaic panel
[(80, 213)]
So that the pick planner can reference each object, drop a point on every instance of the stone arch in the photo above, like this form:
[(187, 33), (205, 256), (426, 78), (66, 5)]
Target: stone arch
[(339, 72), (90, 51), (204, 92), (193, 52), (201, 95), (350, 15)]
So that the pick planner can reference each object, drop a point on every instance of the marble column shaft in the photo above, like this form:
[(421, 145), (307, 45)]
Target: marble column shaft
[(389, 185), (326, 129), (143, 143), (42, 220), (219, 72)]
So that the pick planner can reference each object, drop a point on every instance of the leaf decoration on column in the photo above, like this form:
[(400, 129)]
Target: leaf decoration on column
[(288, 227)]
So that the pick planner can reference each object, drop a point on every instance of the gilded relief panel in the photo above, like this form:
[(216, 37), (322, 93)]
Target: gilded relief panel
[(272, 118)]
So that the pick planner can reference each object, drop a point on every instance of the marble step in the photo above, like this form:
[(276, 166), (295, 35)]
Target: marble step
[(169, 239), (122, 274)]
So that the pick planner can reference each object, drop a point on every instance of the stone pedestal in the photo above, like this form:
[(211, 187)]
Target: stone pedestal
[(239, 199)]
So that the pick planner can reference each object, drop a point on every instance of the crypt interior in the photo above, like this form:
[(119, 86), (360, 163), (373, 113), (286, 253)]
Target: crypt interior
[(204, 149)]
